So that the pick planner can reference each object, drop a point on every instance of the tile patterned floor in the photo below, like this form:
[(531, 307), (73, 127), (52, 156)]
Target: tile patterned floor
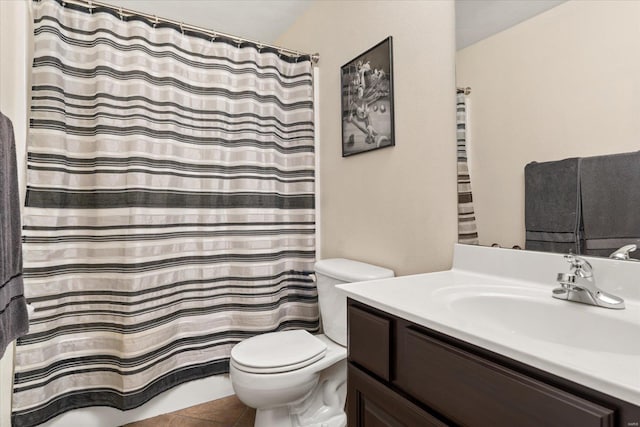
[(225, 412)]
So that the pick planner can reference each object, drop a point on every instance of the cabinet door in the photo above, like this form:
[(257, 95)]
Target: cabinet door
[(473, 391), (371, 404), (369, 341)]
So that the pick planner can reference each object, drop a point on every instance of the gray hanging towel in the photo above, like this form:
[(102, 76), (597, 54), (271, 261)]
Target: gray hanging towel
[(610, 202), (14, 321), (552, 206)]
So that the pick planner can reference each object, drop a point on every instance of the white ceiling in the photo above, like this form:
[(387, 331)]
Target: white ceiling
[(258, 20), (266, 20), (479, 19)]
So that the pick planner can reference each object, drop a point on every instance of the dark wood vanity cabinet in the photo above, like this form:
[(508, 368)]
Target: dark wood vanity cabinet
[(372, 404), (403, 374)]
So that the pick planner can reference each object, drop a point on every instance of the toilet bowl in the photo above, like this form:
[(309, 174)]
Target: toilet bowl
[(296, 379), (284, 398)]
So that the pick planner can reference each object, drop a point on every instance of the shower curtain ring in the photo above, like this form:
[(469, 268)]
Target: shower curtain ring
[(90, 8), (121, 14), (182, 28), (155, 21), (260, 48)]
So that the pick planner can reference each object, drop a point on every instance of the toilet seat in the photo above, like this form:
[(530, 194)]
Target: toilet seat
[(277, 352)]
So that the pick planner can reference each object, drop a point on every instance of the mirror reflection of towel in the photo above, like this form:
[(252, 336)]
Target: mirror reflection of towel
[(552, 206), (13, 308), (610, 202)]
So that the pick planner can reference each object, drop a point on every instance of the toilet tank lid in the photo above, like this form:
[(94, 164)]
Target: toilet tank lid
[(351, 271)]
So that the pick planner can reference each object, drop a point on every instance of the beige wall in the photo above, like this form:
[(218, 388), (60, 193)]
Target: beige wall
[(565, 83), (394, 207)]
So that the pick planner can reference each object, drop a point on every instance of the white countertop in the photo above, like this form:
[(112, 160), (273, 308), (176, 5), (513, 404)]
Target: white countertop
[(593, 346)]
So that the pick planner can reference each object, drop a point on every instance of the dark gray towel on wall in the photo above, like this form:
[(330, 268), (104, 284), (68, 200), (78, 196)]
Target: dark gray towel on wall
[(610, 202), (552, 206), (13, 310)]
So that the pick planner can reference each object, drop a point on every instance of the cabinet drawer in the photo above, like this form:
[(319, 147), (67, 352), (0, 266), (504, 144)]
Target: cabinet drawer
[(369, 341), (371, 404), (476, 392)]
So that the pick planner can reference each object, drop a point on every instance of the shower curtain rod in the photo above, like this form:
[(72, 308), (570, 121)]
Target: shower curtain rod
[(465, 90), (90, 4)]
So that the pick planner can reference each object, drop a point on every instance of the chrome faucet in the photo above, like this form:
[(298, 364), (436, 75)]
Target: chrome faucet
[(579, 285), (623, 253)]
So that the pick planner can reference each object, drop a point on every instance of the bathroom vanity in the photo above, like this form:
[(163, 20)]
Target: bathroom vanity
[(485, 344)]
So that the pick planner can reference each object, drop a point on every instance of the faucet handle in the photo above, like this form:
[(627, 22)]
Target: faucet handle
[(623, 253), (581, 266)]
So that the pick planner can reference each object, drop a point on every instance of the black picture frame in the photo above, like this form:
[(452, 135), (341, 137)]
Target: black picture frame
[(367, 100)]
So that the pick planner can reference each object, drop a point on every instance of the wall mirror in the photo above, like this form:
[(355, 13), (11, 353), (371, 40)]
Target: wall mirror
[(562, 83)]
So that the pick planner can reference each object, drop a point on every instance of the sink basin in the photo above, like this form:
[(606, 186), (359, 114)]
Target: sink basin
[(537, 316)]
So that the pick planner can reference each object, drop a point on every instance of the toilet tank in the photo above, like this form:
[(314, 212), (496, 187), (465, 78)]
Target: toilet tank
[(333, 304)]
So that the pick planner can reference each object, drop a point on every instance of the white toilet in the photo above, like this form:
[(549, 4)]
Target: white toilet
[(296, 379)]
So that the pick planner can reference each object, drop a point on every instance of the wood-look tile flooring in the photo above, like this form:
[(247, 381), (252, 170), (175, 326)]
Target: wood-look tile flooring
[(225, 412)]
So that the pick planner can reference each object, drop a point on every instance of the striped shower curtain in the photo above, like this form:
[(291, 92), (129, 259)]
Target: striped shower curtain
[(170, 207), (467, 231)]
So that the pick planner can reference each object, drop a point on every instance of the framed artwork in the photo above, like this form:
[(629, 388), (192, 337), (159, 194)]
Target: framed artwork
[(367, 100)]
